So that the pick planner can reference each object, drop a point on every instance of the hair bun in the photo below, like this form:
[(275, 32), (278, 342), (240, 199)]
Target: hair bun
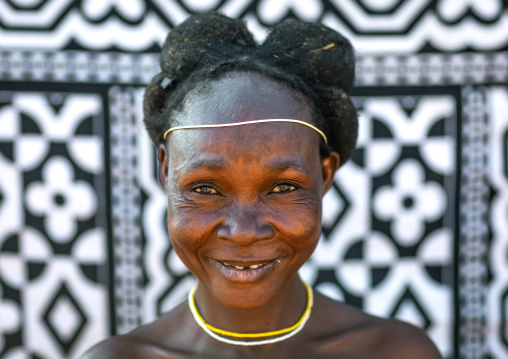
[(318, 53), (203, 40)]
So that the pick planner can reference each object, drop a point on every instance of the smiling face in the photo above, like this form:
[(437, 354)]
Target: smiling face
[(244, 202)]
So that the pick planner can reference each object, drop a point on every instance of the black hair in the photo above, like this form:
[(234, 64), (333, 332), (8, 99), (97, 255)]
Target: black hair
[(310, 58)]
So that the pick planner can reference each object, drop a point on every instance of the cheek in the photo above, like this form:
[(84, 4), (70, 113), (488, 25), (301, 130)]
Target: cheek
[(301, 226), (309, 229), (187, 226)]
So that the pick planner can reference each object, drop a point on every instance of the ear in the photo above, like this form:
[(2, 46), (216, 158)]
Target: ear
[(328, 167), (163, 166)]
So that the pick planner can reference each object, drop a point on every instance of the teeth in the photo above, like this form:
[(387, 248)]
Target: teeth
[(254, 266)]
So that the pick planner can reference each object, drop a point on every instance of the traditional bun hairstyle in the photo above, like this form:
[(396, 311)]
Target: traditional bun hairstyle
[(310, 58)]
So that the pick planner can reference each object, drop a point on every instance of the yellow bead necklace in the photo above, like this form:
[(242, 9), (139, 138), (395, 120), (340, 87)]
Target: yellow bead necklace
[(289, 332)]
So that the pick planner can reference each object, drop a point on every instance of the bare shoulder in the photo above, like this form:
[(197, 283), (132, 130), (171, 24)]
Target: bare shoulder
[(398, 339), (127, 347), (154, 340), (368, 336)]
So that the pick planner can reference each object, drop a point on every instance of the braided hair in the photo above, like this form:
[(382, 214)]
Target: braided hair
[(310, 58)]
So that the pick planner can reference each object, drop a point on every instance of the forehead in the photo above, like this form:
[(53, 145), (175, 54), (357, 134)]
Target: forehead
[(241, 97), (256, 144), (236, 98)]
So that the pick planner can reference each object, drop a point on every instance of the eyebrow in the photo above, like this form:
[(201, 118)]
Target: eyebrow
[(209, 164), (220, 164), (281, 166)]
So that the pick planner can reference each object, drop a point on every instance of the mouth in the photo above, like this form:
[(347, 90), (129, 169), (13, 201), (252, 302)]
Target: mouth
[(253, 266), (245, 272)]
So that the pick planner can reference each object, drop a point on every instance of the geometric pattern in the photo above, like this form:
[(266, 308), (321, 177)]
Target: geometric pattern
[(414, 227), (372, 70), (474, 236), (398, 263), (497, 254), (373, 26), (64, 318), (125, 211), (53, 273)]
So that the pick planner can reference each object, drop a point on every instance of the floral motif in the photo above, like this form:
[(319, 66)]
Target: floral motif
[(409, 202), (61, 199)]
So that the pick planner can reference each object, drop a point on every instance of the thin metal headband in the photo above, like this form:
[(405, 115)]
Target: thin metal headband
[(247, 123)]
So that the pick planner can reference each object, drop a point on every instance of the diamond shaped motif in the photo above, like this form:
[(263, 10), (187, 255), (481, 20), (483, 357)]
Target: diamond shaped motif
[(409, 309), (64, 318), (335, 205)]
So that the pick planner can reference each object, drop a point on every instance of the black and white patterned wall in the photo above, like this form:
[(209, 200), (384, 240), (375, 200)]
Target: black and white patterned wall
[(416, 226)]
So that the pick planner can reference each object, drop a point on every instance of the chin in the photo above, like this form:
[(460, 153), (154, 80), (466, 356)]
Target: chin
[(247, 296)]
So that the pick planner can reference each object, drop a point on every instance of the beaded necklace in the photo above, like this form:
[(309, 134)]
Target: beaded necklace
[(288, 332)]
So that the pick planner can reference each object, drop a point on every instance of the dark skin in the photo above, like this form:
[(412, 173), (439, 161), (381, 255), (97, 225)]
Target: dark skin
[(249, 195)]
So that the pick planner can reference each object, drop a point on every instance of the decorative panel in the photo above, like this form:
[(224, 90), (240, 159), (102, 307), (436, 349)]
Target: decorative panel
[(415, 226)]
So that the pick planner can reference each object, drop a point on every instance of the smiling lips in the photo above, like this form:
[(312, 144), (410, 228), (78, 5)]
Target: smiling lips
[(254, 266), (242, 272)]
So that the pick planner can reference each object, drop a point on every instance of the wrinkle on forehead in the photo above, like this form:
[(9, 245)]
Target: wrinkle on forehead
[(274, 146), (237, 98), (218, 164)]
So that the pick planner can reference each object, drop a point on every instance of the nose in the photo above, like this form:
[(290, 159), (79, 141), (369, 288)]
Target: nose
[(245, 225)]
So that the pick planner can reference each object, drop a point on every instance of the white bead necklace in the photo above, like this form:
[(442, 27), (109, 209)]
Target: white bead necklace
[(203, 324)]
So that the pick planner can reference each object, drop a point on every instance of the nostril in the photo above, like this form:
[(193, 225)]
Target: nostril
[(245, 227), (266, 231)]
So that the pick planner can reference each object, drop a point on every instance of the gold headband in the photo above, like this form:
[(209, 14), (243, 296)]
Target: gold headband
[(247, 123)]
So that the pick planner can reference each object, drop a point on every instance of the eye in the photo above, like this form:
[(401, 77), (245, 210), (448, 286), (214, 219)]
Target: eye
[(283, 187), (205, 190)]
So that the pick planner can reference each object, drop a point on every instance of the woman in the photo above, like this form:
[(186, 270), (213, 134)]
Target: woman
[(245, 195)]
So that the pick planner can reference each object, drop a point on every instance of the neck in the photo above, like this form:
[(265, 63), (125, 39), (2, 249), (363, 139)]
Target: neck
[(278, 312)]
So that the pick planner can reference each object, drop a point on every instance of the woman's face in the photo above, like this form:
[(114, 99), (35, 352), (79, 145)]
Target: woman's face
[(244, 203)]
